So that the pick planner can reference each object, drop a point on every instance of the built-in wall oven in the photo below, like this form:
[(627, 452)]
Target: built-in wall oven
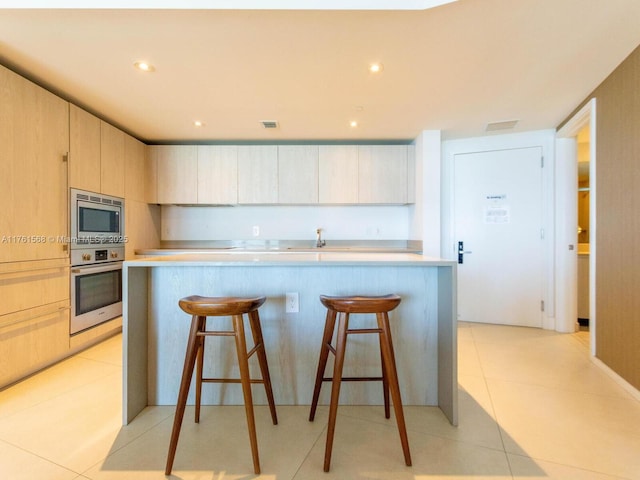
[(97, 251)]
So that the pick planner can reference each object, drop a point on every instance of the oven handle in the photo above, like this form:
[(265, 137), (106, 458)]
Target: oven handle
[(98, 269)]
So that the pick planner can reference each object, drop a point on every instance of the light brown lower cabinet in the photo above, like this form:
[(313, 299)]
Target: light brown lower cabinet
[(34, 318), (26, 285), (32, 340)]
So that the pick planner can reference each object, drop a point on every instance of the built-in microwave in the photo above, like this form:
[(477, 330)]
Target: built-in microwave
[(96, 220)]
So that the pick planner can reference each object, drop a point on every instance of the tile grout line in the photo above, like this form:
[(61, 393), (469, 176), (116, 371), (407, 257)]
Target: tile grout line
[(18, 447), (493, 409)]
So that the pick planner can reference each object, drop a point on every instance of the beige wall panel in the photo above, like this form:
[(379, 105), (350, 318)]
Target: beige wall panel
[(142, 227), (617, 314)]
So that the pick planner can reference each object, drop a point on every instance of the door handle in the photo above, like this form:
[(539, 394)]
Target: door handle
[(461, 252)]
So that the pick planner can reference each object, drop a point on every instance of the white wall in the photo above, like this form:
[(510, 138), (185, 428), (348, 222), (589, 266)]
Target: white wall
[(283, 222), (424, 216)]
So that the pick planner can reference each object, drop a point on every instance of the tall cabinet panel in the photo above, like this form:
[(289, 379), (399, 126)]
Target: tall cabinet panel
[(298, 174), (111, 160), (258, 174), (34, 271), (134, 161), (84, 149), (142, 221), (34, 140)]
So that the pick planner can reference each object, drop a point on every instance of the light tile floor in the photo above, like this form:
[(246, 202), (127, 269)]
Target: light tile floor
[(532, 405)]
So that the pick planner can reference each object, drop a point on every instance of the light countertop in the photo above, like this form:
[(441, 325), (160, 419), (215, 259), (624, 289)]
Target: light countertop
[(283, 258)]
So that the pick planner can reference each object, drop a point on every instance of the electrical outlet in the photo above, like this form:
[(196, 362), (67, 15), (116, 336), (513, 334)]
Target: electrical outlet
[(292, 304), (256, 231)]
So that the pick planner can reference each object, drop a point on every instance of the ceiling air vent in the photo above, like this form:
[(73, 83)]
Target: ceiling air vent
[(505, 125), (269, 123)]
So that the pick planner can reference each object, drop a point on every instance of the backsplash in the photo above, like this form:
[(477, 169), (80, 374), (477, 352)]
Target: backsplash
[(285, 222)]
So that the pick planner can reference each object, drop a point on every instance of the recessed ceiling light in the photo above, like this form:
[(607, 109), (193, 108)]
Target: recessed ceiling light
[(353, 124), (198, 123), (144, 66), (376, 67)]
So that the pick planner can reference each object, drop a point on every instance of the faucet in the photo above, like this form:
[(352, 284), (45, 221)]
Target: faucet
[(319, 242)]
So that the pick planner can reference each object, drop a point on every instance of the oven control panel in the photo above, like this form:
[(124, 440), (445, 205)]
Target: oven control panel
[(90, 256)]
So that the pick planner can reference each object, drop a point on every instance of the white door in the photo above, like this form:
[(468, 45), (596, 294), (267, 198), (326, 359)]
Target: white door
[(498, 219)]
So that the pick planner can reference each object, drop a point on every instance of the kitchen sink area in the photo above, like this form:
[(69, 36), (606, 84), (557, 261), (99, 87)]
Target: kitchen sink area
[(278, 246)]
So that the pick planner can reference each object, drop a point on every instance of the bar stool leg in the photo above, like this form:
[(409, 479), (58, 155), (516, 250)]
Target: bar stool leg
[(245, 379), (199, 367), (341, 343), (385, 382), (390, 363), (322, 363), (256, 331), (185, 382)]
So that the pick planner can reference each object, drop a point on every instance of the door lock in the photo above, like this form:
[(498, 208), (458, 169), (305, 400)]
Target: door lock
[(461, 252)]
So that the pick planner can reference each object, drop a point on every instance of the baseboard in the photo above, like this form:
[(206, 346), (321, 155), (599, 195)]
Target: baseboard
[(634, 392)]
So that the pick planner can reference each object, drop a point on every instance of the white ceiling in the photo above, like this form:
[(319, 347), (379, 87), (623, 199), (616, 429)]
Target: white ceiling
[(453, 68)]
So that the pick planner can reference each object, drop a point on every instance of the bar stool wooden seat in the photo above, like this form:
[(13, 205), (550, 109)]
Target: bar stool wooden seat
[(345, 306), (200, 308)]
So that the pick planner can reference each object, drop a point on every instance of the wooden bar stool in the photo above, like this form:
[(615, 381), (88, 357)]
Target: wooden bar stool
[(345, 306), (200, 308)]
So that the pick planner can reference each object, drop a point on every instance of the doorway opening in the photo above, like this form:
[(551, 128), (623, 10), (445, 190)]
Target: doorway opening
[(576, 230), (584, 200)]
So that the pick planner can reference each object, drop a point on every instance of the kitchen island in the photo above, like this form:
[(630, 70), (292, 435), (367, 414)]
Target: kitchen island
[(424, 325)]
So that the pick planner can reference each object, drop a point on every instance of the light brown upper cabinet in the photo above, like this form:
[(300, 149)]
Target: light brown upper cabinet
[(34, 141), (218, 174), (151, 175), (280, 174), (177, 173), (135, 175), (97, 154), (84, 150), (338, 174), (192, 174), (298, 174), (258, 174), (382, 174), (111, 160)]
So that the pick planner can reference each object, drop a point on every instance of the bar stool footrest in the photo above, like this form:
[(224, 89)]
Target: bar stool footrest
[(229, 380), (355, 379)]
